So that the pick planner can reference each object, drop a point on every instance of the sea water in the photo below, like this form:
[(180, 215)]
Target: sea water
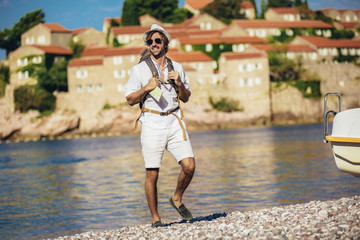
[(63, 187)]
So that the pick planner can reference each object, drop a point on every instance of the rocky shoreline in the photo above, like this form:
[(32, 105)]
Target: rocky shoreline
[(335, 219)]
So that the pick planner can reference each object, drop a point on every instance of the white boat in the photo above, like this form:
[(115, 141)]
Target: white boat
[(345, 137)]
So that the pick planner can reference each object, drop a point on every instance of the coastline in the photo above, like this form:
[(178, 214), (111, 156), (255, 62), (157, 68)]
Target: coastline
[(333, 219)]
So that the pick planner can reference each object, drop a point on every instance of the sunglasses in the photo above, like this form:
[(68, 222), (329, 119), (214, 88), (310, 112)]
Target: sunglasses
[(150, 41)]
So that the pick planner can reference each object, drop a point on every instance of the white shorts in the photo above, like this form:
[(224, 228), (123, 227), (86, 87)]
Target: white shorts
[(155, 141)]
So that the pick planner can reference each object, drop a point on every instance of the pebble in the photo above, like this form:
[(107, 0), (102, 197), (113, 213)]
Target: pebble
[(335, 219)]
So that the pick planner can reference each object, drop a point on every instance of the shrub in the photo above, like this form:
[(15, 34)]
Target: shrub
[(225, 104), (32, 97), (4, 79)]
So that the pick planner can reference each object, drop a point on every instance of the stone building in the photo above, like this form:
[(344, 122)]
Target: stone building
[(47, 34), (195, 6), (266, 28), (248, 9), (246, 79), (282, 14), (328, 49), (342, 15), (89, 37)]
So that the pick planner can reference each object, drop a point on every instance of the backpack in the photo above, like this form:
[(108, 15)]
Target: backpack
[(149, 62)]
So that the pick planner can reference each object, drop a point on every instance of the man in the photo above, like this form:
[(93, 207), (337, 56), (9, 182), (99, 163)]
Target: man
[(162, 123)]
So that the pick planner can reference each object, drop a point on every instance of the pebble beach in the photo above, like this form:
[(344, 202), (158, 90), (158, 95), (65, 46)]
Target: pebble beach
[(334, 219)]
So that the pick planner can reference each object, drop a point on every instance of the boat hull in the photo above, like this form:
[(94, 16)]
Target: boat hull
[(347, 156)]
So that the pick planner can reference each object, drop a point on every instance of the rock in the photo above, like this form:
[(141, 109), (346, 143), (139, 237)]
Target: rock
[(53, 125)]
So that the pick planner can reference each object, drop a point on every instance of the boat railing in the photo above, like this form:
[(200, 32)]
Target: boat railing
[(326, 113)]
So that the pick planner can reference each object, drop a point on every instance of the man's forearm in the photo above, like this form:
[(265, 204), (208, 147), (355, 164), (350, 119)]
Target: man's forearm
[(184, 93), (137, 96)]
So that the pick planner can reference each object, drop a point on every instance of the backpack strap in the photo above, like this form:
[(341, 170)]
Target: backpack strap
[(155, 74)]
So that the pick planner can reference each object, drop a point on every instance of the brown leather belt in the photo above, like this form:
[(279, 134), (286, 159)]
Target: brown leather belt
[(143, 109)]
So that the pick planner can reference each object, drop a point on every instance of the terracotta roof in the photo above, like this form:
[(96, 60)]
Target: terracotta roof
[(189, 56), (242, 40), (55, 27), (78, 30), (263, 47), (198, 4), (117, 19), (325, 10), (85, 62), (348, 24), (246, 4), (218, 40), (94, 51), (110, 51), (199, 40), (233, 56), (123, 51), (282, 24), (322, 42), (129, 30), (53, 49), (300, 48), (283, 10)]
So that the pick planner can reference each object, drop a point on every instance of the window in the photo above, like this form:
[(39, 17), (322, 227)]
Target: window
[(132, 58), (214, 80), (344, 51), (117, 60), (241, 68), (23, 75), (29, 40), (323, 51), (200, 81), (289, 32), (119, 73), (81, 74), (257, 81), (352, 51), (22, 62), (37, 59), (99, 87), (259, 66), (79, 88), (41, 39), (188, 48), (241, 82), (121, 88), (124, 39), (90, 88), (208, 47)]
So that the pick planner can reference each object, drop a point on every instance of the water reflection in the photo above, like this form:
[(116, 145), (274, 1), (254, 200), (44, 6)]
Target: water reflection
[(55, 188)]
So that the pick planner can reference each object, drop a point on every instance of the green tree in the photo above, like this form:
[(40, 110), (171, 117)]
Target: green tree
[(77, 48), (163, 10), (263, 7), (224, 10), (343, 33), (10, 39), (255, 7), (280, 3), (130, 15), (54, 78)]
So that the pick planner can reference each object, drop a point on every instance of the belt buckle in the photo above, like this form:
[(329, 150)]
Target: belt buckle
[(163, 114)]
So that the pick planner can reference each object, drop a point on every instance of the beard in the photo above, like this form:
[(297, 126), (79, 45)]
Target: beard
[(157, 52)]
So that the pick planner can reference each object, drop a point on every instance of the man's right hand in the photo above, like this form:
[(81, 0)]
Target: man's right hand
[(153, 83)]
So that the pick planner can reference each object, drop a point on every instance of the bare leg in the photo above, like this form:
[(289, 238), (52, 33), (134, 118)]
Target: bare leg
[(184, 179), (152, 175)]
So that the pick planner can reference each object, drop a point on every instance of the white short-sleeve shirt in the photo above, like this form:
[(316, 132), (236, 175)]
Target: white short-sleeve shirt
[(139, 77)]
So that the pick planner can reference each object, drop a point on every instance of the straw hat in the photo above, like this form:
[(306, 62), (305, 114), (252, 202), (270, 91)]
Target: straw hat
[(156, 28)]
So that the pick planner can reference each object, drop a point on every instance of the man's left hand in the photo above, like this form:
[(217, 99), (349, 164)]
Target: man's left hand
[(176, 76)]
